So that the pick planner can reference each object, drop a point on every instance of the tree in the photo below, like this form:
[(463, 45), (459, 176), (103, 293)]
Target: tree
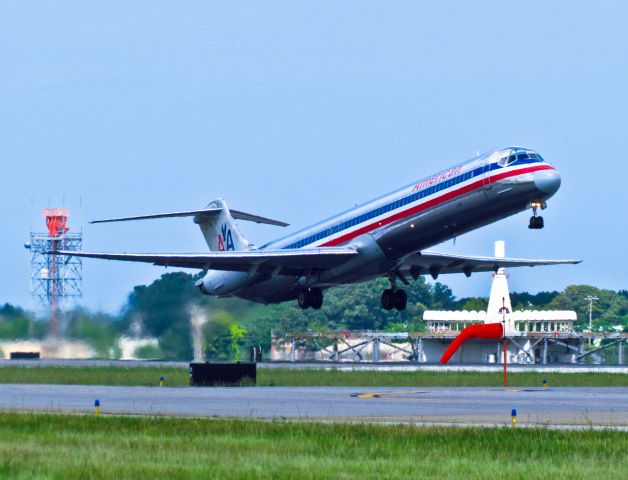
[(528, 301), (609, 311), (98, 329), (474, 303), (223, 337), (16, 323)]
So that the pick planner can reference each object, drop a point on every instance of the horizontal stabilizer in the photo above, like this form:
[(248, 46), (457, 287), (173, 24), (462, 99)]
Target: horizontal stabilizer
[(279, 261), (199, 214)]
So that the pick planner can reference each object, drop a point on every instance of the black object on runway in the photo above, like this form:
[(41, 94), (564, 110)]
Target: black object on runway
[(222, 374)]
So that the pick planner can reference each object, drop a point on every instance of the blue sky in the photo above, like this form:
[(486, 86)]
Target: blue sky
[(297, 110)]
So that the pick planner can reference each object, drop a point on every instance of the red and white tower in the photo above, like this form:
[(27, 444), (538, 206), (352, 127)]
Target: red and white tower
[(55, 279)]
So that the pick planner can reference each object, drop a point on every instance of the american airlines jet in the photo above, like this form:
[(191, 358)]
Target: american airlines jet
[(388, 236)]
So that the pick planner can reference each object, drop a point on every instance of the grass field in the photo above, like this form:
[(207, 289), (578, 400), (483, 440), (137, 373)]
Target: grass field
[(79, 447), (147, 376)]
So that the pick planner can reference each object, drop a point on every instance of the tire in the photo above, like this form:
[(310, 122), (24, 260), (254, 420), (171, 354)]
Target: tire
[(316, 298), (401, 299), (304, 299), (388, 299), (536, 223)]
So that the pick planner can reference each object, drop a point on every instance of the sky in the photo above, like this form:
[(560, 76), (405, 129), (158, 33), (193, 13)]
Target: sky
[(298, 110)]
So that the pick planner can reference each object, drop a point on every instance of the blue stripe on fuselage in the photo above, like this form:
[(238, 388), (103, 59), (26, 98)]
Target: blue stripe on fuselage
[(401, 202)]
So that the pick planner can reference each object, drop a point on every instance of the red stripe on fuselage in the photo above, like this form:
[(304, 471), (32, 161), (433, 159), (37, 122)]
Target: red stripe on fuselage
[(432, 203)]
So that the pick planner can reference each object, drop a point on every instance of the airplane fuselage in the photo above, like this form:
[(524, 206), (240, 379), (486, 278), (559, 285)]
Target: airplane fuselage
[(420, 215)]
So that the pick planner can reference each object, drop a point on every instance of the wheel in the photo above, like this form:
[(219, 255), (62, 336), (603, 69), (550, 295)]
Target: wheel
[(536, 223), (388, 299), (304, 299), (401, 299), (316, 298)]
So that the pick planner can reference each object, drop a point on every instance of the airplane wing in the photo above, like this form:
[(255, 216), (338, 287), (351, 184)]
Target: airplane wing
[(435, 263), (275, 261)]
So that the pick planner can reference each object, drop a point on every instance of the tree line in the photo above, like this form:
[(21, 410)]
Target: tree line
[(163, 310)]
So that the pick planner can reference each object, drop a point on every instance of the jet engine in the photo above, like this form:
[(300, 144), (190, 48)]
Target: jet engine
[(220, 283)]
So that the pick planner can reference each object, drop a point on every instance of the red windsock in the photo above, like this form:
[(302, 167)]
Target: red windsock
[(481, 330)]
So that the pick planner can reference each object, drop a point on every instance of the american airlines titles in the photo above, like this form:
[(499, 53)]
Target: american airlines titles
[(439, 177)]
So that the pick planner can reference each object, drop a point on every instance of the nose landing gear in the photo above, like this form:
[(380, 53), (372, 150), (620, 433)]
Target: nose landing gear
[(311, 297), (536, 222)]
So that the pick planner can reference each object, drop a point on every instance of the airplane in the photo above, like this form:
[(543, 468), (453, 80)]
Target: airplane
[(388, 236)]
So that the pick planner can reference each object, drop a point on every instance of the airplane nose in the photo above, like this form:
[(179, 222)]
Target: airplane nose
[(547, 181)]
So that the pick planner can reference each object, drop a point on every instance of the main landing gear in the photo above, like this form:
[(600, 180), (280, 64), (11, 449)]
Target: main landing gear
[(536, 222), (394, 297), (310, 297)]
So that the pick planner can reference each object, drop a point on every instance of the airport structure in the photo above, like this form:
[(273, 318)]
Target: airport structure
[(534, 336), (55, 279)]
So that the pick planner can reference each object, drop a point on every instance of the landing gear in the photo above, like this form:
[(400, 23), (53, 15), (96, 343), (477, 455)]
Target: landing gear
[(311, 297), (388, 299), (536, 222), (395, 297)]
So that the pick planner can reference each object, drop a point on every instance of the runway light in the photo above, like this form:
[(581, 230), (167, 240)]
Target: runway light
[(97, 407), (544, 383), (513, 416), (161, 381)]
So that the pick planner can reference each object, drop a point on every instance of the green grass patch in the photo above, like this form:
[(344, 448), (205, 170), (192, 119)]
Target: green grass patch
[(78, 447), (149, 376)]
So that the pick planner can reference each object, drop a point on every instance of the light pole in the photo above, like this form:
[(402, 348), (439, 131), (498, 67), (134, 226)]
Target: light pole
[(591, 299)]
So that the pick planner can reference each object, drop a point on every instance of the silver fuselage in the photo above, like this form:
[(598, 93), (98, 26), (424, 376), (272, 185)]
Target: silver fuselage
[(418, 216)]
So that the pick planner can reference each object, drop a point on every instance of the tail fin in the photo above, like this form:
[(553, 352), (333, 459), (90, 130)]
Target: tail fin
[(220, 231), (216, 222)]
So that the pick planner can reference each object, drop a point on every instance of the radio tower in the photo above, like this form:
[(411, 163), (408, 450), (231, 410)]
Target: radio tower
[(55, 278)]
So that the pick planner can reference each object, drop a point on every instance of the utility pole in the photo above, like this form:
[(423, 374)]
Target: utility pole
[(591, 299)]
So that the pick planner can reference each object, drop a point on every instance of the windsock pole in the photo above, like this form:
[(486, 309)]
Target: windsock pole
[(505, 348)]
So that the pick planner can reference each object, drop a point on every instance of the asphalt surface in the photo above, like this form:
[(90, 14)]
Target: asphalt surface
[(554, 407), (383, 366)]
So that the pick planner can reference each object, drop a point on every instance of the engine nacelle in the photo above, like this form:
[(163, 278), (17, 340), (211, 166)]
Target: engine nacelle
[(217, 282)]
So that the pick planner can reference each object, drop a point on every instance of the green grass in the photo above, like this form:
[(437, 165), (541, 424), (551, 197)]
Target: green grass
[(79, 447), (148, 376)]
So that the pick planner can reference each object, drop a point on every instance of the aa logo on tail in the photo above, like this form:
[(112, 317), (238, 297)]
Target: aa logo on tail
[(225, 239)]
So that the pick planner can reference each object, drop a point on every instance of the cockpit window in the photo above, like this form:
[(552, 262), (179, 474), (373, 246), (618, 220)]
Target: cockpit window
[(503, 161), (533, 155), (522, 156)]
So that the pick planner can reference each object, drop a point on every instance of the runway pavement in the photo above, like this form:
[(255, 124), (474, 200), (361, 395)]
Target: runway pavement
[(596, 407), (346, 366)]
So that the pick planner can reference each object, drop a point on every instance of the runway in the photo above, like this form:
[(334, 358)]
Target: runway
[(345, 366), (556, 407)]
